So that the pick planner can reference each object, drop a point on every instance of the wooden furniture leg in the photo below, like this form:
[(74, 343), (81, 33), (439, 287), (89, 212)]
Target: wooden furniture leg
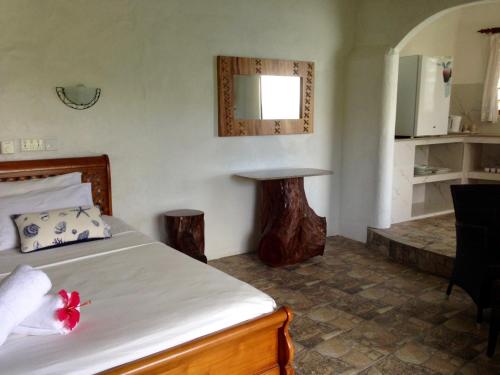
[(291, 230)]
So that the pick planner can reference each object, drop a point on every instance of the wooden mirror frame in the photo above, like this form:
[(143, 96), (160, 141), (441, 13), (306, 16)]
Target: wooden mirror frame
[(228, 66)]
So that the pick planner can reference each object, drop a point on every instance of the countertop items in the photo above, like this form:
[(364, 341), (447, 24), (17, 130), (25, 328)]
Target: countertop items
[(492, 169), (291, 231), (425, 170)]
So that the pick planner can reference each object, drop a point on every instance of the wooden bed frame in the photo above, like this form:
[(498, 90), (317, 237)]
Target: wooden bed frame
[(94, 169), (259, 346)]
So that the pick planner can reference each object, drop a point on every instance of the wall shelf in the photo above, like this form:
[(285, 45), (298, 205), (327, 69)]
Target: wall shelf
[(422, 210), (479, 175), (433, 198), (436, 177), (417, 197)]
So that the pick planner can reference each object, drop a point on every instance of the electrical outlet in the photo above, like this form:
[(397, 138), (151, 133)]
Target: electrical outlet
[(51, 144), (26, 145), (7, 147)]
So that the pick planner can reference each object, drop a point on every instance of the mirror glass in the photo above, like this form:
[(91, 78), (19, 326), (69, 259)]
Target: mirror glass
[(266, 97)]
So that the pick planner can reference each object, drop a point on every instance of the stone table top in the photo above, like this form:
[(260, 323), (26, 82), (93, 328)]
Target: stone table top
[(280, 174)]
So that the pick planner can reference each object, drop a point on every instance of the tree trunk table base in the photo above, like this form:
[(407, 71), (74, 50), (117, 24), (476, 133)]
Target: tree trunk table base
[(291, 230)]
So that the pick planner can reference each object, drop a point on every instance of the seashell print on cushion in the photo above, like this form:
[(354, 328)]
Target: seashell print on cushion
[(83, 236), (107, 230), (46, 229), (57, 241), (60, 227), (31, 230)]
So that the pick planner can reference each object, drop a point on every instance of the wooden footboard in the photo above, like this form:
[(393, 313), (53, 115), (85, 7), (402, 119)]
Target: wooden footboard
[(259, 346)]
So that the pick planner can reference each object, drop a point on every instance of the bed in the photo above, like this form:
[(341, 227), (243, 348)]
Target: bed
[(154, 310)]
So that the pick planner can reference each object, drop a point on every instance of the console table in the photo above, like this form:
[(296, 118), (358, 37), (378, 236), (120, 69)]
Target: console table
[(291, 231)]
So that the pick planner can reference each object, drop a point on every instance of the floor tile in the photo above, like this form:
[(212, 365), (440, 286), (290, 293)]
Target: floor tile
[(357, 312), (393, 366), (313, 363)]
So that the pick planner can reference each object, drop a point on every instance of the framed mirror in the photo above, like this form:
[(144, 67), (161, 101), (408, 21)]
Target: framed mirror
[(264, 96)]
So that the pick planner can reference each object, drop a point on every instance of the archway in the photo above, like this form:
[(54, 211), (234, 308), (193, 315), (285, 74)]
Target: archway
[(388, 115), (368, 138)]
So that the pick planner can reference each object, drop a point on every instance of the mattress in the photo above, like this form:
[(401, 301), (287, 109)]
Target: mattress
[(146, 297)]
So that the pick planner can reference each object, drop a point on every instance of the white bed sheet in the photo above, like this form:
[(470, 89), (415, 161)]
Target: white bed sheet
[(146, 297)]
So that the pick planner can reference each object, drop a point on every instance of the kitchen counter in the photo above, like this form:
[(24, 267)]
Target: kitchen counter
[(466, 157), (452, 138)]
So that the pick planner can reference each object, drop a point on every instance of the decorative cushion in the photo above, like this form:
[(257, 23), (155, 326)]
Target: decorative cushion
[(60, 227)]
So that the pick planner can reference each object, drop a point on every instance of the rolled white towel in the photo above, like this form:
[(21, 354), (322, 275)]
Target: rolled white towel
[(21, 294), (44, 321)]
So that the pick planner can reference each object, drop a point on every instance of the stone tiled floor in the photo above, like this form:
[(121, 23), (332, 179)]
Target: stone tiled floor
[(356, 312), (427, 244), (436, 234)]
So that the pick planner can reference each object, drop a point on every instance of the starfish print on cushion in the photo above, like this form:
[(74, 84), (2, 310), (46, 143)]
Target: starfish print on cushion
[(80, 210)]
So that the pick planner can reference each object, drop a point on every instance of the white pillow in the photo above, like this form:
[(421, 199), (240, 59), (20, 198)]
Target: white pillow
[(21, 187), (42, 200)]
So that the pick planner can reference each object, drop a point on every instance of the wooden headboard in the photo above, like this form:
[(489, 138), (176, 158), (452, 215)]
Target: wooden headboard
[(95, 169)]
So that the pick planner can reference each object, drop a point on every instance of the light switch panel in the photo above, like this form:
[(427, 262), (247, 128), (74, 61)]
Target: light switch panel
[(7, 147), (34, 144), (38, 145)]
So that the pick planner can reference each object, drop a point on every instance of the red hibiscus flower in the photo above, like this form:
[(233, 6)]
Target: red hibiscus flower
[(69, 314)]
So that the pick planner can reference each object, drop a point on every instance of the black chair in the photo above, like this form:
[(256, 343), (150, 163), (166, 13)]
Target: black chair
[(477, 213)]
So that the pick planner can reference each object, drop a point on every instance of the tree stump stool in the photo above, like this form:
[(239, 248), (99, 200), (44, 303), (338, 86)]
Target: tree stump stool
[(185, 231)]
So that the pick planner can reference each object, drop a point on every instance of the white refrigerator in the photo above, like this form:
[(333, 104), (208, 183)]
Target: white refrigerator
[(424, 88)]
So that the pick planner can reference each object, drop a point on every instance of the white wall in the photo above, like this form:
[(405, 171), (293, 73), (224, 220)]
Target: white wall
[(455, 34), (155, 63), (471, 47), (438, 38)]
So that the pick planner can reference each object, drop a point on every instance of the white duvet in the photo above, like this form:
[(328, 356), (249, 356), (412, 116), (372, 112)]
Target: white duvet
[(146, 297)]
